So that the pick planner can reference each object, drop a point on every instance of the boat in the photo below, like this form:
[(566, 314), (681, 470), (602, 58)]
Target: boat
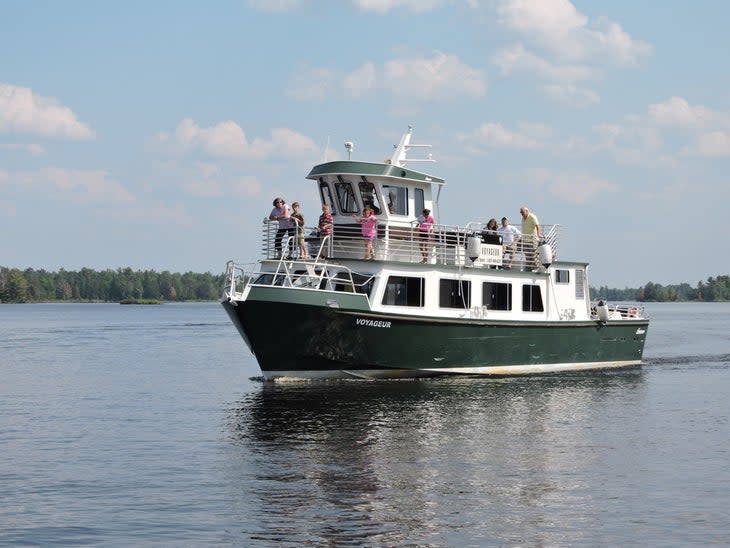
[(455, 302)]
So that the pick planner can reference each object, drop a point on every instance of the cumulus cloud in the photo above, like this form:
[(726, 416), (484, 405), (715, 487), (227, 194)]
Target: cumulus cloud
[(713, 144), (440, 76), (426, 78), (23, 111), (577, 188), (275, 6), (564, 47), (228, 140), (559, 28), (517, 59), (677, 112), (76, 185), (572, 95), (384, 6), (30, 148), (312, 84), (493, 135)]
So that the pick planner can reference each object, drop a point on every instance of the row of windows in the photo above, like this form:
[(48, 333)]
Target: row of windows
[(409, 291), (395, 197)]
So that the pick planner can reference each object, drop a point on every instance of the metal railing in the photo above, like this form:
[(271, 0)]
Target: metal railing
[(621, 311), (401, 242), (294, 274)]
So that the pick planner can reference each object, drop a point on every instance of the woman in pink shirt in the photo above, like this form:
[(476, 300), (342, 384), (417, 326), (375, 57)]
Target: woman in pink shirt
[(369, 227)]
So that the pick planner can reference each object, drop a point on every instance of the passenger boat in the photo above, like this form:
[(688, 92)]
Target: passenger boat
[(424, 306)]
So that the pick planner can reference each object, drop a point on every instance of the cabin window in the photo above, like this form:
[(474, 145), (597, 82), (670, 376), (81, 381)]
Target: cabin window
[(396, 198), (496, 296), (369, 197), (346, 197), (579, 287), (454, 294), (326, 194), (404, 291), (562, 276), (420, 202), (531, 298)]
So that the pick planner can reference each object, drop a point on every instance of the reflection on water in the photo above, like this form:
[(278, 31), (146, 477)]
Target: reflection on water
[(441, 462)]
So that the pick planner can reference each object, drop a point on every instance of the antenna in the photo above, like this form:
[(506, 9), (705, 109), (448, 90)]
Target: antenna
[(349, 146)]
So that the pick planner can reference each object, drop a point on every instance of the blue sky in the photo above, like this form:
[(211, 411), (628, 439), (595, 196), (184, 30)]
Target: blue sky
[(155, 134)]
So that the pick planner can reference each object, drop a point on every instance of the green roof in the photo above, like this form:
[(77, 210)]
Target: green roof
[(346, 167)]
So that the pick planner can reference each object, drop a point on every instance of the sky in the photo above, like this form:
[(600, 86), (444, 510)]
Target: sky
[(154, 135)]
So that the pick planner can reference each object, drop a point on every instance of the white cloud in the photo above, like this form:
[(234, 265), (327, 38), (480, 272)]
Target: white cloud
[(572, 95), (228, 140), (384, 6), (491, 135), (677, 112), (558, 27), (30, 148), (438, 77), (711, 145), (275, 5), (577, 188), (311, 84), (362, 81), (519, 60), (76, 185), (23, 111)]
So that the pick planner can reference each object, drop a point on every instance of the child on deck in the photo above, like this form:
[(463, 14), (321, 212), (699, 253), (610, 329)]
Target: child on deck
[(299, 220), (369, 229), (425, 231)]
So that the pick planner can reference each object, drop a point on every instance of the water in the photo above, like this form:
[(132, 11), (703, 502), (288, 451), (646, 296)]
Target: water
[(146, 425)]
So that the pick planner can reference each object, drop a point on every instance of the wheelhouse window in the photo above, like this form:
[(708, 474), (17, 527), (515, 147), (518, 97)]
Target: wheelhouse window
[(562, 276), (579, 287), (418, 199), (346, 197), (454, 294), (532, 298), (369, 196), (497, 296), (326, 194), (403, 291), (396, 198)]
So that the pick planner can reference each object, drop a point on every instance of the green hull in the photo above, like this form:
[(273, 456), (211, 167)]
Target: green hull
[(308, 338)]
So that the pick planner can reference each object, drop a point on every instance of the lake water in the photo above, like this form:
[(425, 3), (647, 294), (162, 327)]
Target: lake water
[(147, 425)]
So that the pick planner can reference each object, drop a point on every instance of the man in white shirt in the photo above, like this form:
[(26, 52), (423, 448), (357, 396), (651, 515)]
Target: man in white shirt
[(510, 237)]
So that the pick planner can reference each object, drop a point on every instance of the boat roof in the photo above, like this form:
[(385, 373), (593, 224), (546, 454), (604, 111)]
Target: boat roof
[(349, 167)]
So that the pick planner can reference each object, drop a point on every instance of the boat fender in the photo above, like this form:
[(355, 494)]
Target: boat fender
[(473, 247), (602, 311), (545, 253)]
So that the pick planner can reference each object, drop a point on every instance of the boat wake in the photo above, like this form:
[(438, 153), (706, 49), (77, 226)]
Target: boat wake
[(688, 360)]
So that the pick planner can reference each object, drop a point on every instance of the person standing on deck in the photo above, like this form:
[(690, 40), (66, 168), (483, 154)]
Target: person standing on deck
[(531, 235), (510, 237), (282, 214)]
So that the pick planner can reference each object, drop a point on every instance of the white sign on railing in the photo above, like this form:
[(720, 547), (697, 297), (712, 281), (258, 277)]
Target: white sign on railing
[(490, 254)]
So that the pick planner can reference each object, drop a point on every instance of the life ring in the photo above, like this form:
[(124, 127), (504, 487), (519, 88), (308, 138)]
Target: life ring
[(633, 312)]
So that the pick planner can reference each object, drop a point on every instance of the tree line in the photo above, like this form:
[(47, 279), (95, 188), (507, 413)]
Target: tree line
[(87, 285), (714, 289)]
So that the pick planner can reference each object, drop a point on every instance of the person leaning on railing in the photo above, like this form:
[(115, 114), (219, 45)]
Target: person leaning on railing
[(282, 214), (325, 226), (531, 235)]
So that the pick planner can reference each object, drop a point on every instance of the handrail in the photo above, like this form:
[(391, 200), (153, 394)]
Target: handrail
[(400, 241)]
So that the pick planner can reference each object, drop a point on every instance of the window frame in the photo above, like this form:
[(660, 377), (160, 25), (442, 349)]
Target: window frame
[(413, 289), (499, 299), (462, 287), (529, 303)]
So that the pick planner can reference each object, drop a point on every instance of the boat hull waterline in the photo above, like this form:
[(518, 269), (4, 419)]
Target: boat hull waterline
[(305, 340)]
